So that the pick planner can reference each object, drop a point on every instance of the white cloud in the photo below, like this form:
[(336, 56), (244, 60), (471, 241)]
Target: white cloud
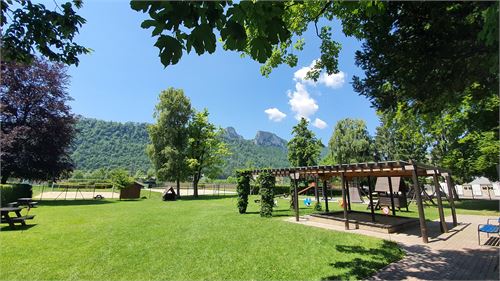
[(275, 114), (301, 102), (333, 81), (320, 124), (300, 75)]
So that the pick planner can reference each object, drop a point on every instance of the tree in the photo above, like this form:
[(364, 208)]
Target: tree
[(437, 63), (304, 148), (169, 136), (29, 29), (350, 142), (206, 148), (268, 32), (37, 124), (401, 136)]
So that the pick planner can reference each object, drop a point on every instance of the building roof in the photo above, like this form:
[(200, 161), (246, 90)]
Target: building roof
[(480, 180)]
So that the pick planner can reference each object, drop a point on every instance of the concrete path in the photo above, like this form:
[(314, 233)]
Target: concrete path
[(455, 255)]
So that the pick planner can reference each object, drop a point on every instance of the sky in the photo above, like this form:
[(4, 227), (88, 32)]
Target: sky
[(122, 78)]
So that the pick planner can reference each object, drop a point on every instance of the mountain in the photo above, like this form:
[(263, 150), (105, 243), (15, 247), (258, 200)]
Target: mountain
[(109, 145), (269, 139), (105, 144), (265, 150)]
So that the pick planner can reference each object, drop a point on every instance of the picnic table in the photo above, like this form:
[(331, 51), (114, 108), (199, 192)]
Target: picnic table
[(11, 220)]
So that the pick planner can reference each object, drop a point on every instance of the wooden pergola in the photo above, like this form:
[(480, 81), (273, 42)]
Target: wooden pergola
[(410, 169)]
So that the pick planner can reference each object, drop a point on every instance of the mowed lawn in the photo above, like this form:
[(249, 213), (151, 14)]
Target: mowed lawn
[(184, 240)]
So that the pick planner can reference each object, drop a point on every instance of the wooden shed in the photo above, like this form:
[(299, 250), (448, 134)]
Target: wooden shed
[(133, 191)]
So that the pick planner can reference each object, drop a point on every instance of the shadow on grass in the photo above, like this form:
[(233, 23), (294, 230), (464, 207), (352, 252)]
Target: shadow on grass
[(478, 205), (372, 260), (77, 202), (207, 197), (17, 227)]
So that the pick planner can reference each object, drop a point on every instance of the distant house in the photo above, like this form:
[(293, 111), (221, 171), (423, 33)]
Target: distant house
[(132, 191), (481, 188)]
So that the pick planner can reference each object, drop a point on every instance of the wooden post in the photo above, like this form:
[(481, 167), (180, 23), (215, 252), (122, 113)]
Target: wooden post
[(296, 199), (348, 195), (325, 196), (449, 183), (392, 196), (316, 193), (370, 190), (420, 207), (41, 194), (344, 198), (437, 187)]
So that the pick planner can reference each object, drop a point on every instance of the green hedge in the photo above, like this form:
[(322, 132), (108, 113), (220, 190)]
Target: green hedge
[(243, 189), (266, 191), (10, 192), (278, 189), (83, 185)]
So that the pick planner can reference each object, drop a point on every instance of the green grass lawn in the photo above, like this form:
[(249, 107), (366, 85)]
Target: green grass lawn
[(188, 239)]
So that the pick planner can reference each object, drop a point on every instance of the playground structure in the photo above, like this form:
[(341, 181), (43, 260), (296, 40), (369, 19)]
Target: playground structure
[(387, 169)]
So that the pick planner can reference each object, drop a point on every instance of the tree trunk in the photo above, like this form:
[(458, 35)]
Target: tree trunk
[(196, 179), (178, 195), (5, 177)]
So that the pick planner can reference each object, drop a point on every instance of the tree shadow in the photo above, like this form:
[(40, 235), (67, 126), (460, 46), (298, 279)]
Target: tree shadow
[(17, 227), (371, 261), (206, 197), (478, 205), (75, 202)]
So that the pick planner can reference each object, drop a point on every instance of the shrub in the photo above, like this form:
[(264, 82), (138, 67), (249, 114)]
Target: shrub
[(10, 192), (317, 206), (266, 181), (243, 189), (278, 189)]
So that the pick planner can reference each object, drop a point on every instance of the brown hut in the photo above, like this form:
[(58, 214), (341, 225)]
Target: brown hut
[(133, 191)]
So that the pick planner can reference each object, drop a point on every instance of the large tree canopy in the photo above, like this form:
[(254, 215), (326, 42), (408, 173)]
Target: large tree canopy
[(270, 32), (28, 28), (304, 148), (37, 125), (350, 142), (169, 136)]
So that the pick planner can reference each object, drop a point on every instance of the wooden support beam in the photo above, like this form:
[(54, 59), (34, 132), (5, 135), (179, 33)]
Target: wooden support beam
[(348, 195), (437, 187), (420, 207), (296, 199), (316, 185), (325, 195), (344, 203), (370, 191), (449, 183), (392, 196)]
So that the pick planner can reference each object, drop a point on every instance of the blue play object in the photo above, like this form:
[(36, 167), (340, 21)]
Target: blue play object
[(307, 202)]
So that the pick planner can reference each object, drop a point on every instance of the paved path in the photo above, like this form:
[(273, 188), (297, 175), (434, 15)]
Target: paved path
[(455, 255)]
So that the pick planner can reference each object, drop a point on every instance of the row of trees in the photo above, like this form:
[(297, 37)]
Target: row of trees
[(399, 137), (184, 144)]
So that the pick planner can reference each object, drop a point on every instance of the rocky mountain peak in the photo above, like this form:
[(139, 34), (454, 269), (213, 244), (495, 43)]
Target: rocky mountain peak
[(263, 138)]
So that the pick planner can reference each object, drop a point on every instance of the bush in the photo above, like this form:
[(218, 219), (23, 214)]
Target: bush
[(243, 189), (317, 206), (11, 192), (267, 182), (278, 189)]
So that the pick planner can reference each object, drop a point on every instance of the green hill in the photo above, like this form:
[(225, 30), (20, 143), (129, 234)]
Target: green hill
[(104, 144)]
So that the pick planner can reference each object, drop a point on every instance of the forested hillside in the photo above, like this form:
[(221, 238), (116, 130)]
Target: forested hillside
[(108, 145)]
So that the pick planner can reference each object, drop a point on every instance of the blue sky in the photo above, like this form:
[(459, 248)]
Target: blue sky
[(122, 78)]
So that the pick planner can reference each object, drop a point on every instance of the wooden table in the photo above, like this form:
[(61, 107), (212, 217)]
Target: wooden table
[(6, 218)]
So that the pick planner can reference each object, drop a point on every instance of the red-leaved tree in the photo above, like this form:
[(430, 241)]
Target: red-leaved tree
[(37, 126)]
